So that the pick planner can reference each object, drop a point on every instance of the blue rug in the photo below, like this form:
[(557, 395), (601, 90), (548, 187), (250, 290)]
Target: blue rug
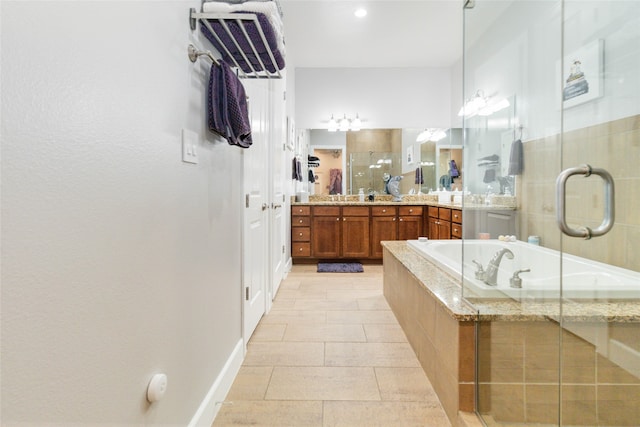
[(340, 267)]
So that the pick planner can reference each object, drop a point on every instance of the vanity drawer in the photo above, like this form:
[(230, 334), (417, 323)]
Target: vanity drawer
[(300, 234), (410, 210), (383, 211), (456, 216), (301, 249), (456, 231), (300, 210), (444, 213), (433, 211), (326, 211), (300, 221), (355, 211)]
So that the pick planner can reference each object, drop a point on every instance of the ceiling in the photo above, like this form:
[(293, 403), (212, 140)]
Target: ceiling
[(395, 33)]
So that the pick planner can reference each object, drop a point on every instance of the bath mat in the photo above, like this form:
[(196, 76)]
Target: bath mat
[(340, 267)]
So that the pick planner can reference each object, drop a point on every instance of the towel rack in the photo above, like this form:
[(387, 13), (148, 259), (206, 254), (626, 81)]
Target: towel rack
[(257, 72), (195, 53)]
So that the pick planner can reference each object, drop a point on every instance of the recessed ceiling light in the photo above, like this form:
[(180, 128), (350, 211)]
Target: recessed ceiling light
[(361, 13)]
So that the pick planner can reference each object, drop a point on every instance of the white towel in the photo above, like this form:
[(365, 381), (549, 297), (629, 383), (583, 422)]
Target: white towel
[(269, 8)]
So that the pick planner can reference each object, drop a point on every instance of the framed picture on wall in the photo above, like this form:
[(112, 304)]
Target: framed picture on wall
[(410, 155), (582, 74)]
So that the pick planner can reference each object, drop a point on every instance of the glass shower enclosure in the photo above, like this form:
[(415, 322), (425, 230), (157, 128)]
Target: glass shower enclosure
[(558, 335)]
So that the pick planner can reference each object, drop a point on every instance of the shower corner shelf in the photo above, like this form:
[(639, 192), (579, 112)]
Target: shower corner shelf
[(263, 65)]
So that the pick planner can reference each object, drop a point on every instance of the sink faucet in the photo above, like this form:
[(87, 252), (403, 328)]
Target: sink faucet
[(491, 274)]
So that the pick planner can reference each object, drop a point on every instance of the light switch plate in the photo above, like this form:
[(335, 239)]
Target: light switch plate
[(189, 146)]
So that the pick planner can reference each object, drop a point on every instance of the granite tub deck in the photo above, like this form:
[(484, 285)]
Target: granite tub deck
[(441, 327)]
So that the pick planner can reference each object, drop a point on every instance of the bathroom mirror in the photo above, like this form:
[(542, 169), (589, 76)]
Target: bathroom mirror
[(365, 157), (488, 155)]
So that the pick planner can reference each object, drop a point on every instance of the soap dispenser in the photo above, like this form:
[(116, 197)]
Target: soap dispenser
[(361, 195)]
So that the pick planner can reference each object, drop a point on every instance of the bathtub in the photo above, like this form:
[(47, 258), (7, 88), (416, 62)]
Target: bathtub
[(582, 278)]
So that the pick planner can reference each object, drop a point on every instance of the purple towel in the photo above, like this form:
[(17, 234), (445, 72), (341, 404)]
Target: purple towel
[(245, 47), (228, 112)]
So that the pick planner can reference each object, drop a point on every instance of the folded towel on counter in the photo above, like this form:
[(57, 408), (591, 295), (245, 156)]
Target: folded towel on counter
[(515, 158), (236, 47), (492, 158), (228, 112)]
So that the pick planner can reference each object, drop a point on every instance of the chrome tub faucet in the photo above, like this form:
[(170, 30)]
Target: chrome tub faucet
[(491, 274)]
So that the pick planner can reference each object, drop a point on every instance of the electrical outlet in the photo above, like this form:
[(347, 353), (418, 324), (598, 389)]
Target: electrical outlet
[(189, 146)]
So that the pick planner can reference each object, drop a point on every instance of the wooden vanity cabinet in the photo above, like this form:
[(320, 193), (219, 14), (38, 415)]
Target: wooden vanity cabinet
[(439, 223), (456, 224), (300, 231), (325, 226), (340, 232), (409, 222), (355, 232), (383, 227)]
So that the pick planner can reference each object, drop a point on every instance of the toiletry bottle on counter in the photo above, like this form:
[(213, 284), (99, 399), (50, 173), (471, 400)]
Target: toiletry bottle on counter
[(361, 195)]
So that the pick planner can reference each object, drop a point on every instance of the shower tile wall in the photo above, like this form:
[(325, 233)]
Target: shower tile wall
[(520, 371), (616, 145)]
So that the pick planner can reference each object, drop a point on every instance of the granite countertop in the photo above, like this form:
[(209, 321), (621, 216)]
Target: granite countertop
[(448, 292), (502, 202)]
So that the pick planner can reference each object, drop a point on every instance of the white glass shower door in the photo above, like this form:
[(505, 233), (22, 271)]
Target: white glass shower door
[(600, 86), (559, 315)]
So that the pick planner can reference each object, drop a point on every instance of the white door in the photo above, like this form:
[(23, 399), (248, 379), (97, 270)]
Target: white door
[(277, 155), (255, 232)]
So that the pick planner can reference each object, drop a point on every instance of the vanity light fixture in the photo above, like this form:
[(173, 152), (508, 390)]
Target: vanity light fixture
[(344, 124), (490, 109), (479, 105), (333, 125), (431, 134), (356, 124), (473, 105), (360, 13)]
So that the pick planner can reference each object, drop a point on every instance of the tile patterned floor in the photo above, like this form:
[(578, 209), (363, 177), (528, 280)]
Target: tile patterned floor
[(331, 353)]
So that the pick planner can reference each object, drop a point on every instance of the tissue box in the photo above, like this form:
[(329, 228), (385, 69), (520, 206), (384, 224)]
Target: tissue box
[(444, 197), (302, 197)]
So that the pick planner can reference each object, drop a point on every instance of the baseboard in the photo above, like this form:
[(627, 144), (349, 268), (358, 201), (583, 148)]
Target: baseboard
[(210, 406)]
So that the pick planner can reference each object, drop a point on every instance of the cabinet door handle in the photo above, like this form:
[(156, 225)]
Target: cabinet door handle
[(300, 234), (384, 210), (410, 210), (394, 218), (400, 219), (337, 219), (344, 219), (301, 221), (300, 249)]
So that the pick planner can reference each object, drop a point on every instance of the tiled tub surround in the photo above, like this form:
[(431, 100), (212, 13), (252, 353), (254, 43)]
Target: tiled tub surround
[(616, 146), (438, 324), (520, 343)]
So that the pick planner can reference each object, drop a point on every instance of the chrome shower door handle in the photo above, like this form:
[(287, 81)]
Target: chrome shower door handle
[(609, 202)]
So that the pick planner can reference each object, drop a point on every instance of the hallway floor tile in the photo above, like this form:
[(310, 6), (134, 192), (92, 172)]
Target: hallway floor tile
[(331, 353)]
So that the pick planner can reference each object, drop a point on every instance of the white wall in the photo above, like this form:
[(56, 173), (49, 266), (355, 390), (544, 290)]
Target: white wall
[(385, 98), (520, 55), (118, 259)]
